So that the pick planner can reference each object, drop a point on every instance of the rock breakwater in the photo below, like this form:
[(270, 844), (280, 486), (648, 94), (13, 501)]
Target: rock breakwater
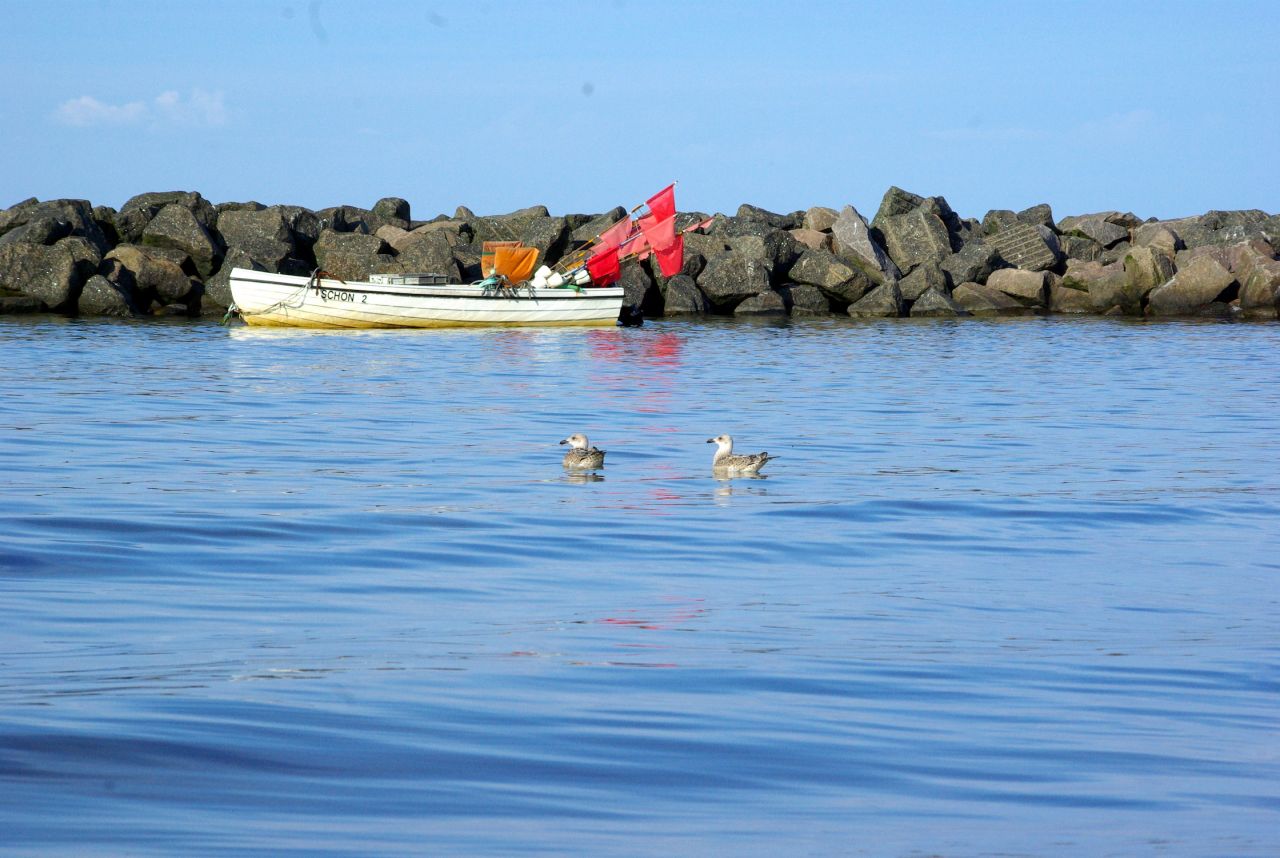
[(171, 253)]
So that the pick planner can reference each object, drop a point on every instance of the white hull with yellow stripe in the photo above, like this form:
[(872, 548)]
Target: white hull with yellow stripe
[(264, 298)]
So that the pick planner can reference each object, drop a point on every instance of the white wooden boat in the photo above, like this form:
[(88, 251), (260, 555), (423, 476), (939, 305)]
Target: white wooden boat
[(413, 301)]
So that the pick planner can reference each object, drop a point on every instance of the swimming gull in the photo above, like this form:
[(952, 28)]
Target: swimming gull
[(725, 462), (581, 455)]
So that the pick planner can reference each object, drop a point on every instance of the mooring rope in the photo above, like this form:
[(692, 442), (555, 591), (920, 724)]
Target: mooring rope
[(292, 301)]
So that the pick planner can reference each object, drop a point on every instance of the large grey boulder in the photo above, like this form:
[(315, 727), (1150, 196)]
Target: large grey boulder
[(1079, 247), (706, 245), (16, 215), (178, 227), (811, 238), (1106, 285), (914, 238), (972, 263), (1217, 227), (217, 289), (1145, 269), (682, 297), (767, 303), (735, 227), (265, 235), (1064, 299), (431, 253), (1260, 291), (936, 303), (305, 226), (454, 233), (819, 219), (921, 279), (1037, 215), (19, 304), (102, 297), (1196, 289), (138, 211), (996, 220), (747, 212), (105, 218), (1028, 288), (505, 227), (803, 299), (77, 215), (549, 234), (155, 278), (52, 275), (638, 288), (776, 247), (392, 211), (1157, 234), (41, 230), (1096, 227), (840, 281), (897, 201), (468, 257), (884, 301), (347, 218), (983, 300), (730, 278), (352, 256), (1032, 248), (596, 224), (851, 238)]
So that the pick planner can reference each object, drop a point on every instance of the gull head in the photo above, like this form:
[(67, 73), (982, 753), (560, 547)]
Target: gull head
[(724, 444), (577, 441)]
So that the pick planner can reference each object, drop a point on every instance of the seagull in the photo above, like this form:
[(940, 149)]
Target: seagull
[(581, 455), (726, 462)]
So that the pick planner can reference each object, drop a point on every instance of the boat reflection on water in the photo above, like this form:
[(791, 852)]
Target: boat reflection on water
[(665, 349)]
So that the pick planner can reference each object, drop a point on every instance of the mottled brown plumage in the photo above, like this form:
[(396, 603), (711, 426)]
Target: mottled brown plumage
[(581, 455), (725, 462)]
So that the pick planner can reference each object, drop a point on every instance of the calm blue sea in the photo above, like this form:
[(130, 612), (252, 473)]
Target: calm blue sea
[(1012, 588)]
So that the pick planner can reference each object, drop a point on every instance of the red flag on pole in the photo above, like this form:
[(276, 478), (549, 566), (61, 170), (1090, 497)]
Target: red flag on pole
[(660, 233), (604, 268), (614, 236), (667, 246), (662, 205), (636, 244), (671, 258)]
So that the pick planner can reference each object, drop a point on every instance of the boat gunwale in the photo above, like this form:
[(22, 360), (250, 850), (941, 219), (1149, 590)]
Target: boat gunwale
[(445, 290)]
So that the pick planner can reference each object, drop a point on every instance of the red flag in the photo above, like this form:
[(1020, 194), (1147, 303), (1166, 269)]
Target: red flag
[(636, 244), (671, 258), (660, 233), (604, 268), (614, 235), (662, 205), (667, 246)]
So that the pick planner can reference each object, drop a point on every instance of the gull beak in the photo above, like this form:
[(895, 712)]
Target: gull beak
[(711, 440), (565, 441)]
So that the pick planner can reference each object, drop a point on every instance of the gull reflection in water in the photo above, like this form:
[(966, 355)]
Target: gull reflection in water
[(726, 489), (585, 477)]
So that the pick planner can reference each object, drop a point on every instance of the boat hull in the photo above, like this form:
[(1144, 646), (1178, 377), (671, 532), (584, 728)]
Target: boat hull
[(282, 300)]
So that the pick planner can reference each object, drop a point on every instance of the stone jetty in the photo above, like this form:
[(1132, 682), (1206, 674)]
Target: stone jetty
[(171, 253)]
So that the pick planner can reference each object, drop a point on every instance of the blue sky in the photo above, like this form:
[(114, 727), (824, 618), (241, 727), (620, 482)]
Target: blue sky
[(1162, 108)]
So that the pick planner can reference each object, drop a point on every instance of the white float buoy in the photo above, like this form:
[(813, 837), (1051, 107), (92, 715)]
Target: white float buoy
[(555, 280)]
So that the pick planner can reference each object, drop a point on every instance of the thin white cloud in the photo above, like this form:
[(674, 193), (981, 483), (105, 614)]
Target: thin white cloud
[(169, 109), (87, 110)]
